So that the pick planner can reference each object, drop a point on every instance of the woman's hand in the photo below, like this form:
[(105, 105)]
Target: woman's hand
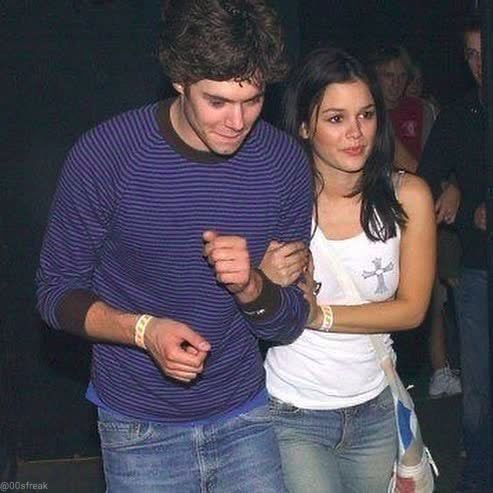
[(310, 289), (283, 263)]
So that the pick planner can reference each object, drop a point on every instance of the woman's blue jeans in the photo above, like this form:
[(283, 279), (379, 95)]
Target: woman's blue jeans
[(238, 455), (338, 451)]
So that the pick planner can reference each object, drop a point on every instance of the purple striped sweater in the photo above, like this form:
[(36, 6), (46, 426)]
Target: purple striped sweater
[(126, 223)]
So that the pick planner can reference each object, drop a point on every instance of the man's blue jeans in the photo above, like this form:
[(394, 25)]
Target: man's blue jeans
[(238, 455), (338, 451), (471, 302)]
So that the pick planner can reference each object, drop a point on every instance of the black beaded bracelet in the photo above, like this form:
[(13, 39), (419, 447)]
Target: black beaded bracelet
[(267, 302)]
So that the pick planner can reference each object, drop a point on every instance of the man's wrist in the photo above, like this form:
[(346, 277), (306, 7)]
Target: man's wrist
[(140, 330), (262, 299), (252, 289)]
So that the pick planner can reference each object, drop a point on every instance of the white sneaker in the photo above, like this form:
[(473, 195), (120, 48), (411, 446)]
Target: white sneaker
[(444, 383)]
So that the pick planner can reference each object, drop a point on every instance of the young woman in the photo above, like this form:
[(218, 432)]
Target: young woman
[(331, 406)]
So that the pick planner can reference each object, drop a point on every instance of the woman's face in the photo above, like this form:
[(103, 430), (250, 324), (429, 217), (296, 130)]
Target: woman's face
[(342, 131)]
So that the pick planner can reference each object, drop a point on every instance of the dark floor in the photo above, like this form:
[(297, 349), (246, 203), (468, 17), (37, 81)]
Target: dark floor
[(440, 423), (77, 475)]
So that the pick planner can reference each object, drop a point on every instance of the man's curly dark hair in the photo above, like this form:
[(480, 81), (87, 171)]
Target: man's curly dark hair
[(221, 40)]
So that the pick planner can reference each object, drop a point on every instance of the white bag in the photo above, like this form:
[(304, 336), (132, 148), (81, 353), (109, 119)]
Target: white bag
[(414, 468), (417, 478)]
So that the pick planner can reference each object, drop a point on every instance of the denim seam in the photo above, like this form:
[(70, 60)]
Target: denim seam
[(198, 439), (340, 444), (139, 433)]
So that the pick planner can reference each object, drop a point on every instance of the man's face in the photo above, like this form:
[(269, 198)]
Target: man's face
[(393, 78), (472, 53), (217, 116)]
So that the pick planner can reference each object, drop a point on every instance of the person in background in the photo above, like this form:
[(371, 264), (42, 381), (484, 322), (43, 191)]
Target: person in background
[(457, 144), (411, 118), (332, 409), (416, 88), (160, 216), (444, 381)]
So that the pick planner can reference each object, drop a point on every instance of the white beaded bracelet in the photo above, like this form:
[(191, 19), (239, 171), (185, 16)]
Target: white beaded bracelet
[(140, 330)]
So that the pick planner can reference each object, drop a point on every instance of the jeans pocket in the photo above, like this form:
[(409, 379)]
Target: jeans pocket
[(279, 408), (258, 415), (384, 401), (116, 434)]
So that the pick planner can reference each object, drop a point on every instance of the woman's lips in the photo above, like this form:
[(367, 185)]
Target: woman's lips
[(354, 151)]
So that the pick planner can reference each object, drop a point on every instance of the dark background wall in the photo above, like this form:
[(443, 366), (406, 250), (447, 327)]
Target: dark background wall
[(428, 29), (68, 64)]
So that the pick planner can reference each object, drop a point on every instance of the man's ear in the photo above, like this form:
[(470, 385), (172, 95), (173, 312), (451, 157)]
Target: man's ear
[(178, 87), (304, 134)]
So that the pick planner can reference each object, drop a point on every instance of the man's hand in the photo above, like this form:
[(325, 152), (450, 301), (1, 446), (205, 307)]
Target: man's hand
[(480, 217), (447, 204), (283, 263), (229, 257), (177, 349)]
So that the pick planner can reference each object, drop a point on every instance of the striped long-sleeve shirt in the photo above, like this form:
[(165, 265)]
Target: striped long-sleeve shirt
[(126, 223)]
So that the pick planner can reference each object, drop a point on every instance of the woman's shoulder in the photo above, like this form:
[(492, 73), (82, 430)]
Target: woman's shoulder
[(414, 193), (412, 184)]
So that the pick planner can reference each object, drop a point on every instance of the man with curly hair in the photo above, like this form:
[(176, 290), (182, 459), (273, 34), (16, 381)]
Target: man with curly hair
[(160, 218)]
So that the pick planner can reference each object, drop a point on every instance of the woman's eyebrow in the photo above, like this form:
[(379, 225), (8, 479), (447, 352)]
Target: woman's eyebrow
[(368, 106)]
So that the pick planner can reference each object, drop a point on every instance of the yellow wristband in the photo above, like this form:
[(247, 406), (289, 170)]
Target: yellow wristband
[(140, 330), (328, 320)]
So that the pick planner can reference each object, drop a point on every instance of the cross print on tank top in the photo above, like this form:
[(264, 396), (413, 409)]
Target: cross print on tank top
[(379, 273)]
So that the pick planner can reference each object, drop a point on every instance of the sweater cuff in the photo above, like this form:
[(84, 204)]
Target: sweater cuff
[(267, 303)]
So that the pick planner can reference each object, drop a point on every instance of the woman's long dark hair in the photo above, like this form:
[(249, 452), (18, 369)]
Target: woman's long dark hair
[(380, 209)]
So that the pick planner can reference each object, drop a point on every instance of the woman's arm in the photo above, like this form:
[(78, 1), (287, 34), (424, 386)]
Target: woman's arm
[(403, 158), (417, 271)]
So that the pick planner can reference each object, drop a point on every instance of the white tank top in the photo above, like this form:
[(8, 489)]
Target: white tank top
[(332, 370)]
